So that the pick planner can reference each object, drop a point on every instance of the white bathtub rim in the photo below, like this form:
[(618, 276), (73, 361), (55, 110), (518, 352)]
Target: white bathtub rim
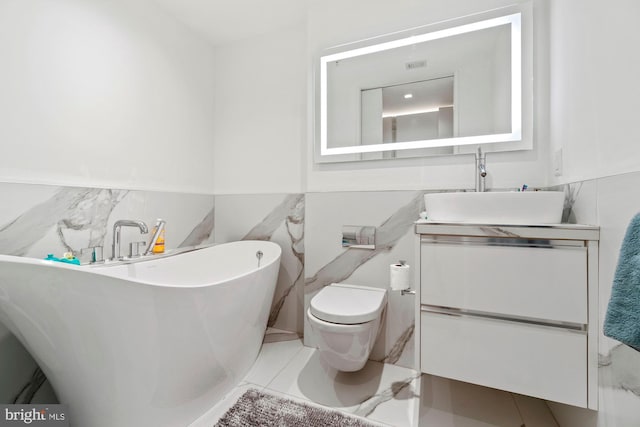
[(104, 268)]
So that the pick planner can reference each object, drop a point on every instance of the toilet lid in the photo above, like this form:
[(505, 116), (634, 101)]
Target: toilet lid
[(348, 304)]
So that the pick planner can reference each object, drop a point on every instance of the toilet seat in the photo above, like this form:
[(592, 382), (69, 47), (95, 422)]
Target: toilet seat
[(348, 304)]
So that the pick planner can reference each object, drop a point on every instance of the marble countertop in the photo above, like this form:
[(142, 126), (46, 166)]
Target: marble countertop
[(532, 231)]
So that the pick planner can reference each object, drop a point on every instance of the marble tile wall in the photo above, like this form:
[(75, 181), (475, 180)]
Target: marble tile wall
[(308, 228), (393, 214), (609, 202), (281, 219), (36, 220)]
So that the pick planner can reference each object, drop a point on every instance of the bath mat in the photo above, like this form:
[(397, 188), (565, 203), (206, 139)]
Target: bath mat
[(255, 408)]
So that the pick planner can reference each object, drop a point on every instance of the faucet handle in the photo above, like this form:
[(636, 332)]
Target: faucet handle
[(95, 254), (136, 248)]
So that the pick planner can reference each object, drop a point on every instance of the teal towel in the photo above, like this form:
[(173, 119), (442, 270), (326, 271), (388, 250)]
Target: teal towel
[(623, 314)]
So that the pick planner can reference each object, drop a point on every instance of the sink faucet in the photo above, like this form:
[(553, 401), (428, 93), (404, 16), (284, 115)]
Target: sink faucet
[(481, 170), (115, 247)]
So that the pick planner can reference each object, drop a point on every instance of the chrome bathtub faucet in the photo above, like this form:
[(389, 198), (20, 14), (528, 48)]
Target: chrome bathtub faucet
[(115, 246)]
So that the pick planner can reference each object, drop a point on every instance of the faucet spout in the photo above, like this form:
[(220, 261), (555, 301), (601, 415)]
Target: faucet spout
[(115, 246), (481, 170)]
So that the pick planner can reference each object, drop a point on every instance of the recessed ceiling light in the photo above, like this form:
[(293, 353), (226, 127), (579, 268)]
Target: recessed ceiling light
[(408, 95)]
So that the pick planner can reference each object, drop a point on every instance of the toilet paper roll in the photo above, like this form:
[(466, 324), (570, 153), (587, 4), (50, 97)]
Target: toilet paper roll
[(400, 276)]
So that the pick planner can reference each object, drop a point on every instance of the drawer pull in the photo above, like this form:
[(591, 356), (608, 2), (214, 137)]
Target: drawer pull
[(502, 241), (459, 312)]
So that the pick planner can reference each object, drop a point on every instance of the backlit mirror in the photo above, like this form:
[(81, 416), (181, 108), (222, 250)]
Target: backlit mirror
[(440, 91)]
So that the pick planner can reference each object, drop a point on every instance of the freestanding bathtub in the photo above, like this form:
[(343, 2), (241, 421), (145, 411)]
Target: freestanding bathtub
[(149, 343)]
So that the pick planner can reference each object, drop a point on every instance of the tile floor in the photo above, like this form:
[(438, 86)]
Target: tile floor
[(386, 394)]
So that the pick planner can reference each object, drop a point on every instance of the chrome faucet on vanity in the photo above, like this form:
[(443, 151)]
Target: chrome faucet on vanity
[(115, 247), (481, 170)]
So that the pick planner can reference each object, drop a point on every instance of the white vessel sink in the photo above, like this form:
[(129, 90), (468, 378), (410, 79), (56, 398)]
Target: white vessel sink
[(496, 207)]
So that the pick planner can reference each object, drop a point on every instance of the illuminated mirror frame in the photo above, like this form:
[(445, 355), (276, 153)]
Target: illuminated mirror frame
[(515, 22)]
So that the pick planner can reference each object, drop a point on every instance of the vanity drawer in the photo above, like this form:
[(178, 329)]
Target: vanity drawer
[(544, 362), (532, 282)]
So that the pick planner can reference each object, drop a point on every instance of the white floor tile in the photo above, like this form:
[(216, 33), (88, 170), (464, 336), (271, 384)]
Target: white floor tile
[(368, 392), (383, 393), (534, 412), (214, 414), (308, 377), (448, 403), (397, 403), (272, 359)]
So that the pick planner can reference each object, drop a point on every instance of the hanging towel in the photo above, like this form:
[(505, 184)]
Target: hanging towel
[(622, 321)]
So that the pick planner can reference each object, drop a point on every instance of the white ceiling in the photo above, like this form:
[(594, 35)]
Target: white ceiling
[(222, 21)]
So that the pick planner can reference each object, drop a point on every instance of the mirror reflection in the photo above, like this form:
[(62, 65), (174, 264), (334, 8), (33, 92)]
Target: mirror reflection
[(407, 112), (448, 88)]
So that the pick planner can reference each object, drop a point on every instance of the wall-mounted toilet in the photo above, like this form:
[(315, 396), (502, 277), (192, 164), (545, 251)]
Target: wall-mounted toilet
[(345, 320)]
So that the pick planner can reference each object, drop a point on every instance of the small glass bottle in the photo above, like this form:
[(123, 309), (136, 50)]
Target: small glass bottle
[(158, 247)]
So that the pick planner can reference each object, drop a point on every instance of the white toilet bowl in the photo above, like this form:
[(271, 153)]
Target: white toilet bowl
[(345, 320)]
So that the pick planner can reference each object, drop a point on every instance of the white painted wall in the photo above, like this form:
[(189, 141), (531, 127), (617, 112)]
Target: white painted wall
[(595, 91), (594, 105), (260, 110), (333, 22), (104, 94)]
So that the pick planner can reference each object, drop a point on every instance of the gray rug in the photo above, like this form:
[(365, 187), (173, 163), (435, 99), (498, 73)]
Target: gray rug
[(255, 408)]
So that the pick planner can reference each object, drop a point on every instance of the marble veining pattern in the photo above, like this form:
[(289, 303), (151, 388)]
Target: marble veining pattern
[(382, 393), (279, 218), (387, 234), (609, 202), (45, 219), (497, 232), (69, 210), (367, 407), (201, 232), (292, 205), (399, 346), (294, 224), (571, 193), (394, 240), (290, 212), (619, 369)]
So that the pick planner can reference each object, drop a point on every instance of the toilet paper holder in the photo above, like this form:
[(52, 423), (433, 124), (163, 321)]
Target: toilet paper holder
[(408, 291)]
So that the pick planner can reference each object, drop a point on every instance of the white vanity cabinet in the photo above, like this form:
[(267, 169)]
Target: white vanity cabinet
[(510, 307)]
